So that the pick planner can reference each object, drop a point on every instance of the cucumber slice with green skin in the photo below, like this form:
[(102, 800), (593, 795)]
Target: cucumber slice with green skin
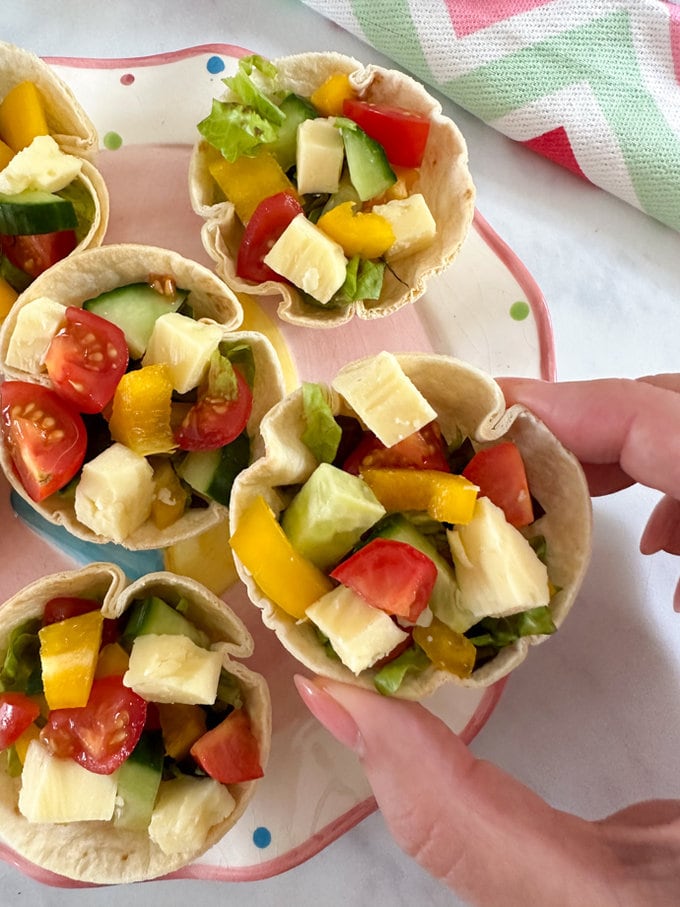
[(284, 147), (212, 472), (139, 778), (134, 309), (367, 162), (34, 211), (14, 276), (153, 615)]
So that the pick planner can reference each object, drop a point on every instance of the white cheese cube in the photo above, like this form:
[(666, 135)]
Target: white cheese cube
[(308, 258), (185, 346), (61, 790), (172, 668), (384, 397), (498, 571), (320, 155), (36, 324), (413, 224), (115, 493), (185, 811), (41, 165), (359, 633)]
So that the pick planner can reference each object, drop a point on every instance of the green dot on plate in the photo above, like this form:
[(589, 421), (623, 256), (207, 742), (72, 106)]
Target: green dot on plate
[(112, 141), (519, 310)]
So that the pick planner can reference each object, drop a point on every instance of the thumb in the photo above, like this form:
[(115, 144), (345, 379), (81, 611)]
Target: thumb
[(464, 820)]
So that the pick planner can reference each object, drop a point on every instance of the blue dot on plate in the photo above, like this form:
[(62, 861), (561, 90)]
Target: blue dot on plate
[(262, 837), (215, 65)]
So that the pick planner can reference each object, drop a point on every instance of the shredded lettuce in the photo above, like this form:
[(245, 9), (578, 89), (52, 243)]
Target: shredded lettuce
[(228, 692), (321, 433), (83, 205), (21, 667), (363, 280), (390, 677), (503, 631), (240, 353)]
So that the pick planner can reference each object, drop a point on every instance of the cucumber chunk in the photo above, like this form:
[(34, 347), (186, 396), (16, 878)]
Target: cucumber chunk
[(284, 147), (153, 615), (212, 472), (139, 778), (135, 309), (367, 162), (34, 211)]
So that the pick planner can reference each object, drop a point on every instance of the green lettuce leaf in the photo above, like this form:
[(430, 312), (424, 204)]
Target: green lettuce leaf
[(322, 433), (389, 678), (21, 667), (363, 280), (503, 631)]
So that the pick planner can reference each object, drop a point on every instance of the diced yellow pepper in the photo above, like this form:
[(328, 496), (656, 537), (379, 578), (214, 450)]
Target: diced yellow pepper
[(181, 726), (447, 649), (205, 557), (170, 496), (69, 651), (447, 497), (249, 180), (113, 661), (32, 732), (6, 154), (329, 96), (368, 235), (288, 579), (140, 416), (8, 297), (22, 116), (407, 177)]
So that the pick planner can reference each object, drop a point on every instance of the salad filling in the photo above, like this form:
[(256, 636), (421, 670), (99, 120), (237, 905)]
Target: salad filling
[(416, 533), (342, 188), (127, 413), (127, 722)]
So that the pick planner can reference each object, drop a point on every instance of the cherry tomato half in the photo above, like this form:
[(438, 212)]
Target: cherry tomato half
[(268, 221), (402, 133), (35, 254), (17, 712), (87, 359), (499, 471), (213, 422), (45, 437), (229, 752), (102, 734), (424, 449)]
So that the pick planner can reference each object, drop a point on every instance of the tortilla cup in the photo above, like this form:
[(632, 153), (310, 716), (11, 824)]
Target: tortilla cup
[(77, 279), (97, 851), (444, 181), (470, 403), (70, 127)]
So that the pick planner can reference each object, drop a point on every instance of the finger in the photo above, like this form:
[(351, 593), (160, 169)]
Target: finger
[(634, 425), (467, 822), (605, 478), (668, 380), (662, 533)]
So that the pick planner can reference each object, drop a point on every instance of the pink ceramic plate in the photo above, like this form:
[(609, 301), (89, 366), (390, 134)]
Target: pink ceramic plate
[(486, 309)]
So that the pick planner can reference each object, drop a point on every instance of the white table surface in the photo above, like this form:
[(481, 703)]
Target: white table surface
[(590, 721)]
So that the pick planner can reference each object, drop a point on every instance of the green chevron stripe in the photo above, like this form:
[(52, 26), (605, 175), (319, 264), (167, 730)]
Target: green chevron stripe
[(600, 53)]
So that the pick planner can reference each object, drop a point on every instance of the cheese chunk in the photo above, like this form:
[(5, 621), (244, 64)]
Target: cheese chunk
[(308, 258), (172, 668), (61, 790), (42, 165), (320, 155), (360, 634), (185, 811), (498, 571), (384, 397), (36, 324), (185, 346), (412, 222), (115, 493)]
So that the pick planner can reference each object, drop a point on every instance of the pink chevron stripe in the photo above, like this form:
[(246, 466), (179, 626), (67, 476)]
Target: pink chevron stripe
[(674, 32), (556, 146), (469, 16)]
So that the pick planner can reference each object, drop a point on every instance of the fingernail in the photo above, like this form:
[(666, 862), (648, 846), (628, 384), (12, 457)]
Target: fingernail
[(334, 717)]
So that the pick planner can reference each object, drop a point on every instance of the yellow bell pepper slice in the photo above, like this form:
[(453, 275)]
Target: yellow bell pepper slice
[(142, 406), (69, 651), (249, 180), (6, 154), (446, 497), (447, 649), (288, 579), (368, 235), (181, 726), (22, 116), (113, 661), (8, 296), (170, 497), (329, 96)]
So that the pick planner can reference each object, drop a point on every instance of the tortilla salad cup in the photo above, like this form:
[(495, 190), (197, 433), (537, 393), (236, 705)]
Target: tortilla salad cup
[(130, 400), (403, 529), (337, 187), (53, 200), (181, 728)]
